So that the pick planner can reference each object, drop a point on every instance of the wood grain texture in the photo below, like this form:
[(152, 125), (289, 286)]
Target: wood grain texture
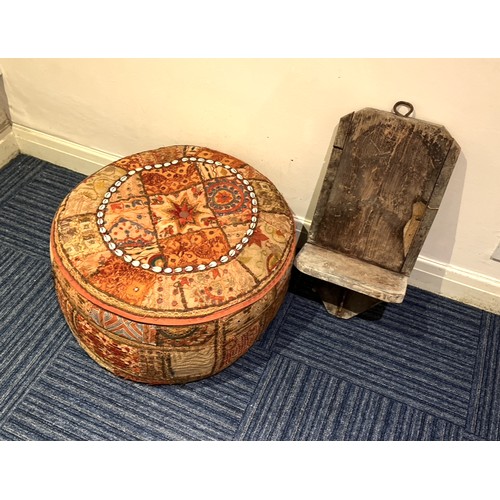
[(344, 303), (351, 273), (386, 174), (384, 183), (428, 216), (338, 146)]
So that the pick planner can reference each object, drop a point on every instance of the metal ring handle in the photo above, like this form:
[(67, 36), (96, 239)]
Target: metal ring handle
[(403, 103)]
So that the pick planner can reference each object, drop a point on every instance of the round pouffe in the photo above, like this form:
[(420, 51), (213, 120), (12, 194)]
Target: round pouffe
[(169, 264)]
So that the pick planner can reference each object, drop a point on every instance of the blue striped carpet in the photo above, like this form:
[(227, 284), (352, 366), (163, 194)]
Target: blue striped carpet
[(425, 370)]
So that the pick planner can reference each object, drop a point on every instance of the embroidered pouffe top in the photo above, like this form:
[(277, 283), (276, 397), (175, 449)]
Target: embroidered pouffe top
[(170, 263)]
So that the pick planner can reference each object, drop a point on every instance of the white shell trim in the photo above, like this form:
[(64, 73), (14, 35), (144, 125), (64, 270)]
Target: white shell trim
[(168, 270)]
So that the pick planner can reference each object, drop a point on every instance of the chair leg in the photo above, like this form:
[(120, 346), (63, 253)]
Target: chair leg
[(342, 302)]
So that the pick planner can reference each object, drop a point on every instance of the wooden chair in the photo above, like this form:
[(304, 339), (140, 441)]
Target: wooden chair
[(384, 183)]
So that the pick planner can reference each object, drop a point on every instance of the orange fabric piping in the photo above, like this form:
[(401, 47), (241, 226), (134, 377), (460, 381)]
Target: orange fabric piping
[(169, 321)]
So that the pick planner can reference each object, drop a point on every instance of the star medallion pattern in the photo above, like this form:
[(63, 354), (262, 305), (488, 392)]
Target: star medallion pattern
[(188, 215)]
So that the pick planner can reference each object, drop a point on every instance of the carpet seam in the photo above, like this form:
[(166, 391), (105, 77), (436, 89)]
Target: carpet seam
[(31, 386), (361, 387)]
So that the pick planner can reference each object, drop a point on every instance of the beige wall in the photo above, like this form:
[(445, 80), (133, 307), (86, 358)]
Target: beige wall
[(4, 117), (4, 121), (279, 115)]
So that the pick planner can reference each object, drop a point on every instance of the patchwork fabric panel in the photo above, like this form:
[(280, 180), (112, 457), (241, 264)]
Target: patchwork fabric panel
[(167, 355), (170, 263), (175, 233)]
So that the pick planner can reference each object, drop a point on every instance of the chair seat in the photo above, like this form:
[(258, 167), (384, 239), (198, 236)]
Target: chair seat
[(384, 182), (351, 273)]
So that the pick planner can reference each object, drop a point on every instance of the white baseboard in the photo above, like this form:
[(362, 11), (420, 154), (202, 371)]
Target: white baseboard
[(457, 283), (443, 279), (8, 147), (449, 281), (60, 151)]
